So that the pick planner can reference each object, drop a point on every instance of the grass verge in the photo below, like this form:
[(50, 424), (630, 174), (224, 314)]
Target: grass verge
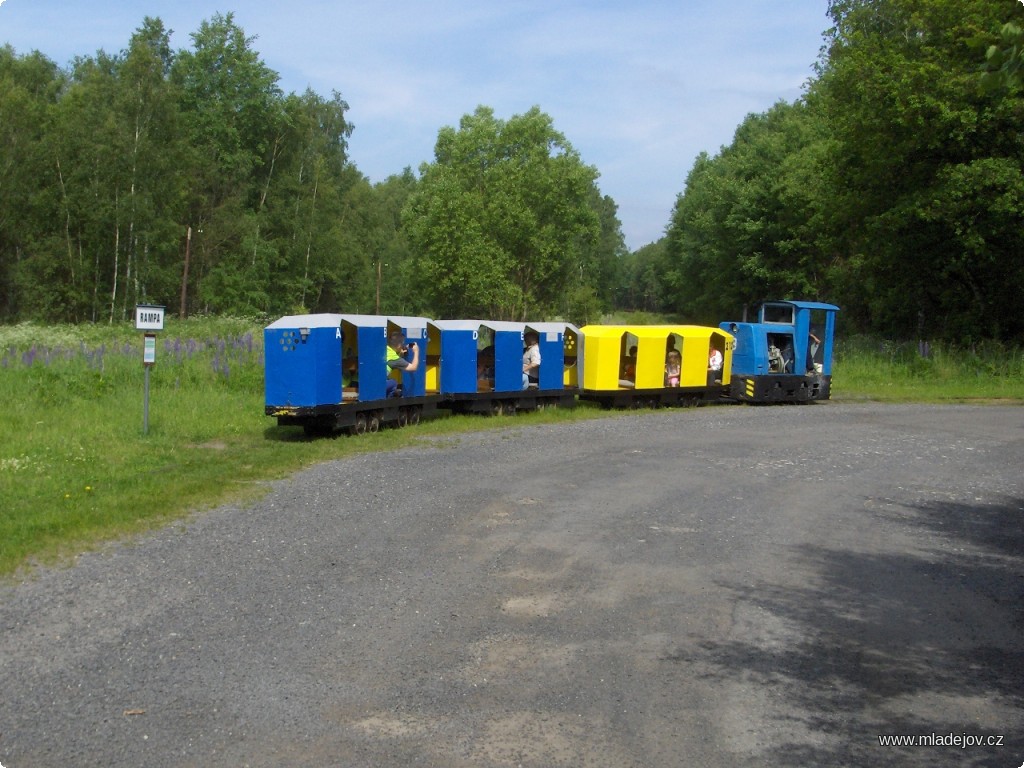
[(870, 369), (76, 469)]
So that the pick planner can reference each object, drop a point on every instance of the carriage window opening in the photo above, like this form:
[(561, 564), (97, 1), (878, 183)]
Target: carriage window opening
[(628, 351), (349, 362), (485, 359)]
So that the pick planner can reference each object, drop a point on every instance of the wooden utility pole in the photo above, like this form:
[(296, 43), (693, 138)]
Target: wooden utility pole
[(377, 311), (184, 278)]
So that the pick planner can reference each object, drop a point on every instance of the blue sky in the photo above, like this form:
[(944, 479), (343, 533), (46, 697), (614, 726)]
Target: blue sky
[(638, 87)]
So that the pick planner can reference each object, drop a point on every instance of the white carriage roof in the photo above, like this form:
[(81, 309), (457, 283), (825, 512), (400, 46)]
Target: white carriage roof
[(332, 320), (307, 321)]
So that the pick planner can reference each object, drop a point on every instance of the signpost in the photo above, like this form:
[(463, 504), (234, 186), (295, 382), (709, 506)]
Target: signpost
[(148, 317)]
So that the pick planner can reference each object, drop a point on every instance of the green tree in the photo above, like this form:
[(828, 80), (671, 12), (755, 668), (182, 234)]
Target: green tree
[(602, 267), (88, 171), (301, 216), (29, 88), (151, 142), (639, 287), (1003, 59), (502, 216), (401, 284), (927, 169), (112, 187), (749, 224), (234, 111)]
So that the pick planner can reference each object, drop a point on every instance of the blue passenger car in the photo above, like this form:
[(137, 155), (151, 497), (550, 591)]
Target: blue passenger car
[(303, 361), (786, 356), (326, 372), (481, 365)]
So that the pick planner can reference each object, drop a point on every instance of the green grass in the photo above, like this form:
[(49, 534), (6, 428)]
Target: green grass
[(76, 469), (869, 369)]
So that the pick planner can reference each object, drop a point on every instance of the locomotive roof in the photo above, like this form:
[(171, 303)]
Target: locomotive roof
[(807, 304)]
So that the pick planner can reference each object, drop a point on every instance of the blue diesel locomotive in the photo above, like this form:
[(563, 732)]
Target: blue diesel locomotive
[(786, 356)]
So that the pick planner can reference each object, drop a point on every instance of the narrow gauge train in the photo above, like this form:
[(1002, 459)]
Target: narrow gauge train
[(329, 372)]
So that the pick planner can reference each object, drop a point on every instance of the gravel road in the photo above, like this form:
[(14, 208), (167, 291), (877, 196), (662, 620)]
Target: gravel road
[(723, 586)]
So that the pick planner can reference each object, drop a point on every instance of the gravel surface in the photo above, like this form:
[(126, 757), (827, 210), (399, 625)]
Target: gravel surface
[(723, 586)]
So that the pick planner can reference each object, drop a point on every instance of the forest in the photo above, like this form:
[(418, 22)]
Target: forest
[(892, 187)]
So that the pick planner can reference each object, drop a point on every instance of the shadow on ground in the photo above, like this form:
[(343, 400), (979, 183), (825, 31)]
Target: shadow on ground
[(927, 642)]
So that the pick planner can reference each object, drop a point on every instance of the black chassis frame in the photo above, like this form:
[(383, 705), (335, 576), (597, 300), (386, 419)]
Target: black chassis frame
[(655, 398), (780, 388), (344, 415), (509, 402)]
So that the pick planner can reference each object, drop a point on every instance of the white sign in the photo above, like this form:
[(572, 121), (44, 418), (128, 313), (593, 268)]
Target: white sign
[(149, 317)]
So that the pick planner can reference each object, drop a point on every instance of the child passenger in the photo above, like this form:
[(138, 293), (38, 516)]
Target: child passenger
[(673, 368)]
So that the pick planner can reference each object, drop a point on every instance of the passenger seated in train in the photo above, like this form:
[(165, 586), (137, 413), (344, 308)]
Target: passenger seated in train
[(350, 373), (673, 368), (485, 368), (627, 377), (531, 361), (813, 345), (715, 363), (715, 360), (396, 361)]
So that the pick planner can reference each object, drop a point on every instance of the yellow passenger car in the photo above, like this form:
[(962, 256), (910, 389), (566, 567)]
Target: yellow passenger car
[(654, 364)]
